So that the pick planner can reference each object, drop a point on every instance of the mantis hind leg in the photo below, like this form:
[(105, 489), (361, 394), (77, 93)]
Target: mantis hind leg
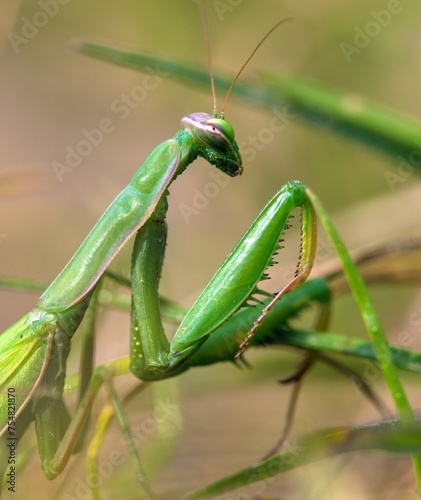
[(60, 435), (56, 455)]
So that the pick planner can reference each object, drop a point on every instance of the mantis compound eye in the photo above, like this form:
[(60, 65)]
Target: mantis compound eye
[(224, 152), (220, 129)]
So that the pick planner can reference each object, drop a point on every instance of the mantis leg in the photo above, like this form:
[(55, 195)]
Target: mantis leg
[(59, 435), (235, 282), (380, 345), (55, 455)]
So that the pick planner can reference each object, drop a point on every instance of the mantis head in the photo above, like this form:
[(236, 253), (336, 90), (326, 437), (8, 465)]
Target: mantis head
[(215, 140), (213, 136)]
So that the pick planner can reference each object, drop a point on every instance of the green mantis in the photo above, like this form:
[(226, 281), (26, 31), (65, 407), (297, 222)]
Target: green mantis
[(33, 352), (40, 341)]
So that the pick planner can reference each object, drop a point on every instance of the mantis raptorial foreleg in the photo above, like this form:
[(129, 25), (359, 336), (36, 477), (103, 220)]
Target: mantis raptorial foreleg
[(235, 282)]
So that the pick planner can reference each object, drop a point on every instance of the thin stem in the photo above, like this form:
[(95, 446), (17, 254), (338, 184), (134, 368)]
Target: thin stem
[(372, 323)]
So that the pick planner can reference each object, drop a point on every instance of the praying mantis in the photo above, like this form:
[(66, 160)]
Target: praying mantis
[(33, 352)]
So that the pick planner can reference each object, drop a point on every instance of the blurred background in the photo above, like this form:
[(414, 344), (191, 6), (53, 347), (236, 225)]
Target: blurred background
[(52, 97)]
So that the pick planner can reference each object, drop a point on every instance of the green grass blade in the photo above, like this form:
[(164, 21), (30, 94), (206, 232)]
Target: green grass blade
[(372, 323), (312, 102), (21, 285), (386, 436), (350, 114), (405, 359), (369, 314)]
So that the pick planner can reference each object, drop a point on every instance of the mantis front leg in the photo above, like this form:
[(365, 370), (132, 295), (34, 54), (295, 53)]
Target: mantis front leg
[(235, 282)]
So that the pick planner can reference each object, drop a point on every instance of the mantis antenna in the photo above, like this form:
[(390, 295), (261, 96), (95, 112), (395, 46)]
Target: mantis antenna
[(208, 50), (248, 60)]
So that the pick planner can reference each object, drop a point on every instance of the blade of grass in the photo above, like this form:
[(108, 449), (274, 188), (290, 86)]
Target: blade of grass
[(388, 436), (312, 102), (372, 324)]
